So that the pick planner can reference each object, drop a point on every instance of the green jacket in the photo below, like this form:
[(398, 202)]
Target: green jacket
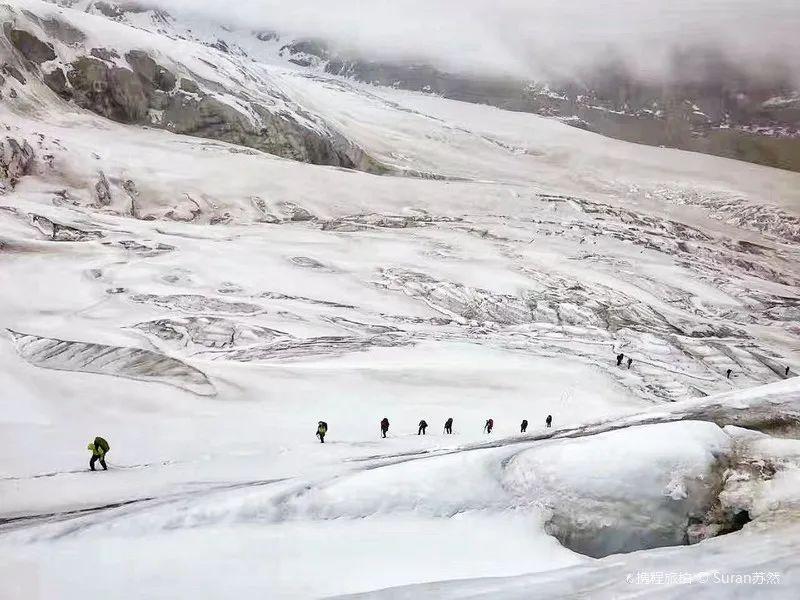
[(99, 447)]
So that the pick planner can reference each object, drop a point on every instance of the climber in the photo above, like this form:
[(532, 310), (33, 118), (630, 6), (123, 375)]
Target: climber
[(489, 424), (620, 356), (99, 448), (524, 426), (728, 373), (384, 426), (422, 426), (322, 429), (548, 421), (630, 362), (448, 425), (786, 373)]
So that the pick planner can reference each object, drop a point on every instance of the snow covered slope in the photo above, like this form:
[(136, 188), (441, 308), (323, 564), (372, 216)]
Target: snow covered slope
[(202, 303)]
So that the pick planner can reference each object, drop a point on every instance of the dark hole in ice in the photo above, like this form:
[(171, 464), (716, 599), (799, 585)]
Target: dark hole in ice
[(643, 530), (739, 520)]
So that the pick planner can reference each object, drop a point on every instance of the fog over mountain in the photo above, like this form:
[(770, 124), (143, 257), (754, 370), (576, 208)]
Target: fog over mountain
[(530, 38), (285, 314)]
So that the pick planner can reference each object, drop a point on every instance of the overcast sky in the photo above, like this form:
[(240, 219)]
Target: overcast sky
[(527, 37)]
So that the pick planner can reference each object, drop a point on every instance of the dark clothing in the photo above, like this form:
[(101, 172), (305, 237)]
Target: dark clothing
[(630, 361), (384, 426), (786, 374), (99, 447), (619, 359), (422, 426), (448, 426), (488, 427), (728, 374), (548, 421), (322, 429), (101, 443), (94, 459), (524, 427)]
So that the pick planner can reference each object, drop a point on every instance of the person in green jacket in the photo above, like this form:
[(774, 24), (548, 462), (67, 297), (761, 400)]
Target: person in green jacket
[(99, 448), (322, 429)]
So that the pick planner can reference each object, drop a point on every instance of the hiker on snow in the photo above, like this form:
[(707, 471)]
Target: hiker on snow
[(322, 429), (99, 447), (630, 362), (384, 426), (728, 374), (448, 425), (620, 356), (524, 427), (786, 373), (489, 424), (548, 421), (422, 426)]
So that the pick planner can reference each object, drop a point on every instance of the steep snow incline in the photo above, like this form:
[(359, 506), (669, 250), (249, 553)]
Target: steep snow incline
[(134, 73)]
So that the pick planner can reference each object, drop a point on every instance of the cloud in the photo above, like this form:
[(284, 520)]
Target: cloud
[(529, 38)]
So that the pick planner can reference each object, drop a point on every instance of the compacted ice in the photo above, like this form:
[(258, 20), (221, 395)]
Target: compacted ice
[(624, 490)]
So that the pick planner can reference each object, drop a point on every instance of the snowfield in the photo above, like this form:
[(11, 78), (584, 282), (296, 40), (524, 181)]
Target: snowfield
[(203, 304)]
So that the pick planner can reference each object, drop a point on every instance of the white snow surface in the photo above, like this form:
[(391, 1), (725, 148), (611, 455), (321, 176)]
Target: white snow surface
[(495, 274)]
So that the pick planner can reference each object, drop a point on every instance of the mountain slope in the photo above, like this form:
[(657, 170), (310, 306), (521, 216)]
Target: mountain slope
[(202, 304), (135, 76)]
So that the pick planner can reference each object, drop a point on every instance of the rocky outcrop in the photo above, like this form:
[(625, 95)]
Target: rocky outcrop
[(149, 93), (108, 9), (102, 191), (149, 71), (142, 90), (57, 81), (112, 92), (12, 71), (16, 161), (58, 232), (31, 47), (104, 53)]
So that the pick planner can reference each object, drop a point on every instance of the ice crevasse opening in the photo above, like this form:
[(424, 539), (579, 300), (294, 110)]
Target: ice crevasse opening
[(631, 489)]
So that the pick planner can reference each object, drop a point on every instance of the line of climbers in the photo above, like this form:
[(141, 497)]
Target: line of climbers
[(621, 356), (728, 373), (322, 427), (100, 447)]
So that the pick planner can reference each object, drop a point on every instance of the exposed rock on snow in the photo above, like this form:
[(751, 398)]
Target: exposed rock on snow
[(208, 332), (328, 346), (29, 45), (143, 91), (273, 294), (62, 233), (16, 161), (141, 248), (376, 220), (194, 303)]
